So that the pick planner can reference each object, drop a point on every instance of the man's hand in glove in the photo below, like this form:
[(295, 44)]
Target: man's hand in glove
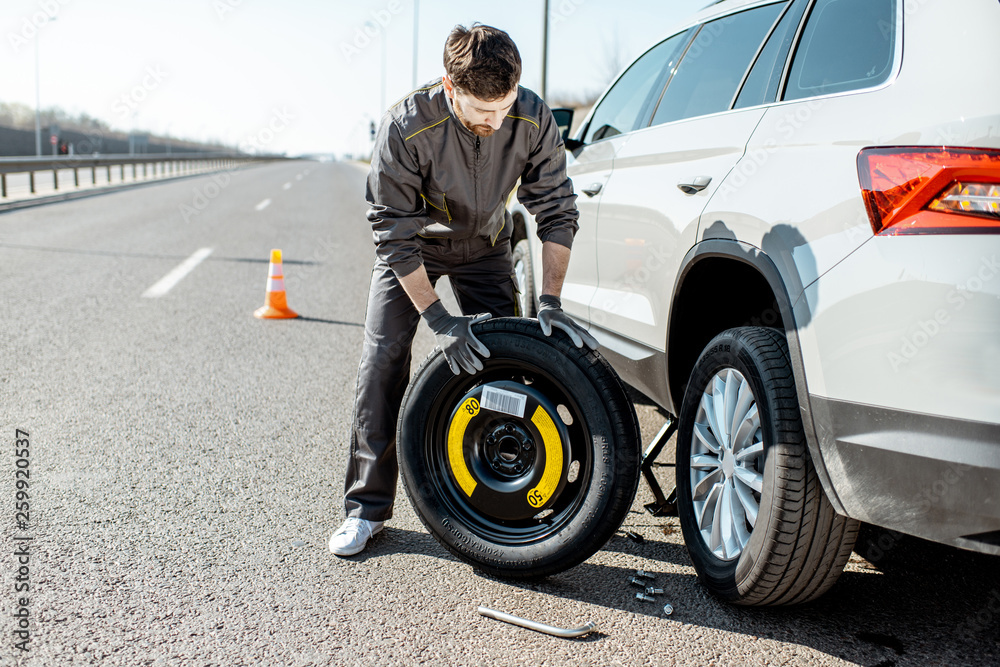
[(455, 338), (550, 314)]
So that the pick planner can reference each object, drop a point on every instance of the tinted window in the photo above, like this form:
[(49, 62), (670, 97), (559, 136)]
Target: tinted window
[(622, 108), (846, 45), (761, 85), (714, 65)]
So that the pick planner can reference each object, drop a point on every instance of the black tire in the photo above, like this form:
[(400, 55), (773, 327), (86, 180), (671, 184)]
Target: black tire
[(797, 546), (524, 279), (520, 497)]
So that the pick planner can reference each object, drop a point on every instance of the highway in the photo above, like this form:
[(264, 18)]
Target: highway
[(187, 464)]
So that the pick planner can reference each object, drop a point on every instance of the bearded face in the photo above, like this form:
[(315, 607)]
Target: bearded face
[(481, 117), (480, 129)]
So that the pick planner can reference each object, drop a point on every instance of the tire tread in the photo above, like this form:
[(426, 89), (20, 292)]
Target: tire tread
[(806, 544)]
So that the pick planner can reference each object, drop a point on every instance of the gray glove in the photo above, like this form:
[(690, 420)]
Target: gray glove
[(455, 338), (550, 314)]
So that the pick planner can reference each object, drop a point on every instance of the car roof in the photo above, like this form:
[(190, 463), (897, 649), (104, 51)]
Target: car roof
[(707, 13), (710, 11)]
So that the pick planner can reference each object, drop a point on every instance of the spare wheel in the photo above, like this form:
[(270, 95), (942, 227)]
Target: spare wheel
[(528, 467)]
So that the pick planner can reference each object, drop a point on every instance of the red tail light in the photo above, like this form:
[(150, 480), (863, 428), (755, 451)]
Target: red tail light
[(922, 190)]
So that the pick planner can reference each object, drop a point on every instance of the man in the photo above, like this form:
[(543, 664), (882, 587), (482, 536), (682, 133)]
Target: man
[(445, 161)]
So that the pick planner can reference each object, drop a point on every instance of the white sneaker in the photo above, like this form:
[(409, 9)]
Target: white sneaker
[(353, 535)]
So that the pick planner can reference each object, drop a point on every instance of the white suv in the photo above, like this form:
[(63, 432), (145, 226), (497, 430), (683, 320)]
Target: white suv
[(789, 239)]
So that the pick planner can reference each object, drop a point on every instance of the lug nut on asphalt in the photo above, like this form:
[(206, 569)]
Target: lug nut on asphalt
[(668, 609), (644, 574), (653, 591), (644, 597)]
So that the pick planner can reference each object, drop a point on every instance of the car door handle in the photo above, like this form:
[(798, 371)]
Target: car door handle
[(695, 186), (593, 189)]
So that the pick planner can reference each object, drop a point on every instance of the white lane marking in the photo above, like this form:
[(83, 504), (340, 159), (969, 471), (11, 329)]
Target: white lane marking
[(287, 186), (167, 282), (264, 204)]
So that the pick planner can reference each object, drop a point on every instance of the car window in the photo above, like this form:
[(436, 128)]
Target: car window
[(622, 107), (845, 45), (713, 66), (761, 86)]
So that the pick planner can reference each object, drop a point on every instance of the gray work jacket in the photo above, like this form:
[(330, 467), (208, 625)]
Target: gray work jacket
[(432, 177)]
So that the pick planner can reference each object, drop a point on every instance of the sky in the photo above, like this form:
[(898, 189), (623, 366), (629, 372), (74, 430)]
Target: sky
[(291, 76)]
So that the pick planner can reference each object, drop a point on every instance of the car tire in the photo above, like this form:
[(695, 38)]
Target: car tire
[(755, 519), (524, 279), (528, 467)]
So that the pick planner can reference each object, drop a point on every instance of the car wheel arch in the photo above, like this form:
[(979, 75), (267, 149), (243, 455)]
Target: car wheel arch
[(717, 260)]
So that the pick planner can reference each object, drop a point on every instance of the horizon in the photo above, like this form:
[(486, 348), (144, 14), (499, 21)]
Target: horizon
[(307, 72)]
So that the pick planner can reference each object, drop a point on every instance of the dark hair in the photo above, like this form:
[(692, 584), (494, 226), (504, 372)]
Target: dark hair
[(482, 61)]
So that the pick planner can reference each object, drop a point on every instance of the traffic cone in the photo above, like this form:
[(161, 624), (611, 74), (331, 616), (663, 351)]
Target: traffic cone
[(275, 307)]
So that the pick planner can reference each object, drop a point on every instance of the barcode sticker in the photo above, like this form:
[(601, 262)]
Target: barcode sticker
[(507, 402)]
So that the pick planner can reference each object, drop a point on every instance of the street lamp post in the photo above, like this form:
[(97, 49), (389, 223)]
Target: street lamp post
[(38, 95), (38, 102), (385, 44), (416, 25), (545, 49)]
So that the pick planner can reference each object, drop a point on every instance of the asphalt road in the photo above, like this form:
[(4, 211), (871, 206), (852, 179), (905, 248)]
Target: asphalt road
[(186, 470)]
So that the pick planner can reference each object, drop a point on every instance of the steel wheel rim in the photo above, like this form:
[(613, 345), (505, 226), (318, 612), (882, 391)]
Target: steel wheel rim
[(727, 458), (573, 493)]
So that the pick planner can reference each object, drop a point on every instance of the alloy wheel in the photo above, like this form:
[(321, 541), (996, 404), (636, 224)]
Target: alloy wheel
[(727, 454)]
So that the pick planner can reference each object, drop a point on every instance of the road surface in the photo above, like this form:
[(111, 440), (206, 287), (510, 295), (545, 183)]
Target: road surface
[(187, 462)]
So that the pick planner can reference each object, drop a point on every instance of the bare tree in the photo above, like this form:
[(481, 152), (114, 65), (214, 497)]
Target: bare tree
[(613, 58), (22, 117)]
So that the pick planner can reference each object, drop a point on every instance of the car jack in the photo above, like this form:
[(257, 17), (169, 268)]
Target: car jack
[(662, 505)]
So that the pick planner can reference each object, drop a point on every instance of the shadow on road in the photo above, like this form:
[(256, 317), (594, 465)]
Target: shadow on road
[(934, 604), (302, 318), (392, 541)]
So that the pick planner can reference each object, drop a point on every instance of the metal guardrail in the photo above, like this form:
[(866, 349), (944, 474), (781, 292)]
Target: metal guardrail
[(167, 165)]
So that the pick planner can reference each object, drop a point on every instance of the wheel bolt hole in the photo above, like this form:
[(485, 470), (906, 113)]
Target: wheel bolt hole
[(565, 415)]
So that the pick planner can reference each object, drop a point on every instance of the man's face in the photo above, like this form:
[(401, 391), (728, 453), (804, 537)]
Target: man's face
[(483, 118)]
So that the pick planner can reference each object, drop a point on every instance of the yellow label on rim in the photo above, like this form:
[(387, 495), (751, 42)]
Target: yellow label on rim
[(541, 494), (456, 444)]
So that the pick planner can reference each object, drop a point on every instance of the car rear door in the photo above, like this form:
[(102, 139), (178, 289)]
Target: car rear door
[(666, 173)]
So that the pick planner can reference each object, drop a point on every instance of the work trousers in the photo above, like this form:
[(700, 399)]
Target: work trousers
[(481, 275)]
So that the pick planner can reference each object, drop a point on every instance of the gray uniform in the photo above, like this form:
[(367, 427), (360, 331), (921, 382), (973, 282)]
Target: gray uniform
[(438, 196)]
